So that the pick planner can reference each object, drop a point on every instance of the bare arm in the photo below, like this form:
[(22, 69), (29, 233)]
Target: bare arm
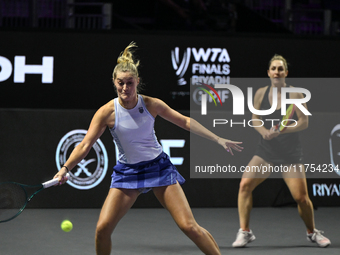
[(267, 134), (158, 107), (101, 119), (302, 122)]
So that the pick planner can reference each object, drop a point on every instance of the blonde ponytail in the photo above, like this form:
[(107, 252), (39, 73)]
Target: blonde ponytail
[(126, 62)]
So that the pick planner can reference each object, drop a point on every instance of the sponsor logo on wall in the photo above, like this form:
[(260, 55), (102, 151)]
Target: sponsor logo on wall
[(20, 68), (205, 65), (326, 190), (201, 65), (334, 148), (331, 189), (92, 169)]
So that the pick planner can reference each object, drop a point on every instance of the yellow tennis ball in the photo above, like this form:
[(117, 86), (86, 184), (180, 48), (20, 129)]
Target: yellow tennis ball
[(66, 225)]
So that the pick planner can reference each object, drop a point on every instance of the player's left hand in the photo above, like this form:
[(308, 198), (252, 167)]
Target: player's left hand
[(271, 133), (230, 145)]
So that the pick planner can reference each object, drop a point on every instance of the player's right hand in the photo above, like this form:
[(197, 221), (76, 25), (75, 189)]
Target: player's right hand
[(61, 175), (271, 133)]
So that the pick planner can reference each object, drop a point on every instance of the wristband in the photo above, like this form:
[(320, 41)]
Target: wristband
[(66, 168)]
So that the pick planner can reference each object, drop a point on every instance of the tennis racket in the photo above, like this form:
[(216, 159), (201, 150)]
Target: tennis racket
[(15, 196), (286, 119)]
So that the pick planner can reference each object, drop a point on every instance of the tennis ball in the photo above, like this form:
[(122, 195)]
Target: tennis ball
[(66, 226)]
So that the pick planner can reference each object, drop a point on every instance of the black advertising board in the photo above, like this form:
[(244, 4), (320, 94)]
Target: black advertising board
[(34, 144), (64, 70), (51, 84)]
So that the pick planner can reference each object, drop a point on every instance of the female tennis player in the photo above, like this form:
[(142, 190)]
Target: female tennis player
[(277, 149), (142, 163)]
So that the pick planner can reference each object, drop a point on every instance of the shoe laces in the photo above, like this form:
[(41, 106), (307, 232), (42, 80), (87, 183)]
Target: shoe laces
[(245, 233), (318, 234)]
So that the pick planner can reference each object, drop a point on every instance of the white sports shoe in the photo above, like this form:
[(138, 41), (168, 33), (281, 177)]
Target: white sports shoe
[(243, 237), (317, 237)]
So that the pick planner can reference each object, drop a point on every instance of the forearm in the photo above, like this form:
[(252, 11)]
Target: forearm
[(296, 126), (261, 130), (76, 156), (258, 125), (198, 129)]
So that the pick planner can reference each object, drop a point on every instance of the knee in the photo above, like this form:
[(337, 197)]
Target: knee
[(302, 199), (103, 231), (245, 186), (191, 229)]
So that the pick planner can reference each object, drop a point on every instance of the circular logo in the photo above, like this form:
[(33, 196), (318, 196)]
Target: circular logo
[(92, 169), (196, 96), (334, 145)]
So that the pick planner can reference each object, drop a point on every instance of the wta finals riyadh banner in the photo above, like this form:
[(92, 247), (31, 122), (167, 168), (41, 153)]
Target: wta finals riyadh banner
[(228, 111), (56, 70)]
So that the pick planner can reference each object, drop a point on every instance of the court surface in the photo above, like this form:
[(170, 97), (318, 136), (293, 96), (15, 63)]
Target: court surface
[(152, 231)]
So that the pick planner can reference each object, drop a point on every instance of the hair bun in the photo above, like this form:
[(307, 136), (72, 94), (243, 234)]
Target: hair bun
[(127, 56), (126, 62)]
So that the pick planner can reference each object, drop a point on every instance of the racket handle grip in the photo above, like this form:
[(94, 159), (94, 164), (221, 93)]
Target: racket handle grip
[(53, 182)]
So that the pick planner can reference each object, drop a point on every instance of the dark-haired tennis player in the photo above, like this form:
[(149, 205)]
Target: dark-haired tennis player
[(277, 149), (142, 163)]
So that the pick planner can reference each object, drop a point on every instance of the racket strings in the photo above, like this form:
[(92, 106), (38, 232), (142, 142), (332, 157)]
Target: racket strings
[(12, 199)]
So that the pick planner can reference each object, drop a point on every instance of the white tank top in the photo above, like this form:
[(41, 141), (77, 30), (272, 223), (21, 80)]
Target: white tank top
[(134, 133)]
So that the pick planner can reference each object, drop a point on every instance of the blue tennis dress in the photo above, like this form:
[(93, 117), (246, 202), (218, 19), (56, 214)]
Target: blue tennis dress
[(142, 164)]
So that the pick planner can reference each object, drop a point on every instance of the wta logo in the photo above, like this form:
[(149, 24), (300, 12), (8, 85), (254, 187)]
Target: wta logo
[(180, 66), (210, 65)]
